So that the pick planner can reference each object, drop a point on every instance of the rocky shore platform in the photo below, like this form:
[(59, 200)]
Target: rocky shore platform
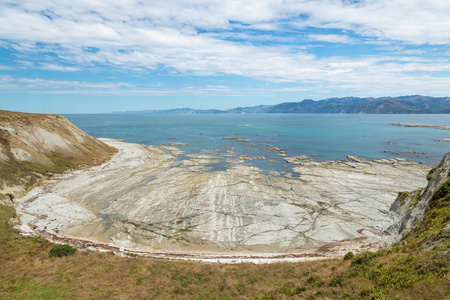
[(443, 127), (146, 201)]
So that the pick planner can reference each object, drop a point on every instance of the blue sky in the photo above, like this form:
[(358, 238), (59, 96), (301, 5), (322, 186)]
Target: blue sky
[(93, 56)]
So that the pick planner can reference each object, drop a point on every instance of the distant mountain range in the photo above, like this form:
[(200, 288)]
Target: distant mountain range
[(347, 105)]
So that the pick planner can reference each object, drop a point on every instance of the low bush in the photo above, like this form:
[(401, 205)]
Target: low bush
[(440, 197), (349, 255), (375, 293), (62, 250), (432, 171), (386, 278), (336, 281), (290, 292), (365, 259)]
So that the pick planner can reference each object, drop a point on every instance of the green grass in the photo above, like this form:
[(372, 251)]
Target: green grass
[(432, 171), (30, 289), (28, 273), (402, 197)]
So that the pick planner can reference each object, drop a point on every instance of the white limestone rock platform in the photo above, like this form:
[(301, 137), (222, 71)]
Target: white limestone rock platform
[(145, 200)]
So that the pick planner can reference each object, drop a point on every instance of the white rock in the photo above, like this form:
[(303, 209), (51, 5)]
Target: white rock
[(140, 199)]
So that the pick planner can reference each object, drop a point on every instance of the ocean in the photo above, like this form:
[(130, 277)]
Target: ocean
[(318, 136)]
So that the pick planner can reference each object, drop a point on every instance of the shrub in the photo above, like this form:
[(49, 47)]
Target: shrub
[(432, 171), (336, 281), (362, 263), (375, 293), (378, 294), (349, 255), (387, 278), (291, 292), (62, 250), (346, 296), (402, 197), (443, 272), (365, 259), (440, 193), (311, 280)]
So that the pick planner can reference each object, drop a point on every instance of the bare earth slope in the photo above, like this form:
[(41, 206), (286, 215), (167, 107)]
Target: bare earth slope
[(34, 146)]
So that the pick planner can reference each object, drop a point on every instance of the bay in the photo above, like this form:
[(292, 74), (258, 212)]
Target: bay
[(319, 136)]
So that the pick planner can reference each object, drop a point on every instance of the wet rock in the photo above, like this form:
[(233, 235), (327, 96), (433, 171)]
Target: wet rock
[(356, 159), (296, 159), (444, 127), (238, 139), (173, 151)]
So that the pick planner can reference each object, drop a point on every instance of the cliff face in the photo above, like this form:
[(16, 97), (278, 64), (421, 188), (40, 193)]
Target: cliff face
[(425, 213), (34, 146)]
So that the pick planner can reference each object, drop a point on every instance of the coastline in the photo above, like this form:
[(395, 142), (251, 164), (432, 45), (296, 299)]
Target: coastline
[(132, 158)]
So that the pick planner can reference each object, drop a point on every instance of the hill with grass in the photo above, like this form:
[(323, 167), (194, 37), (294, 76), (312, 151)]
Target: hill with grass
[(36, 146)]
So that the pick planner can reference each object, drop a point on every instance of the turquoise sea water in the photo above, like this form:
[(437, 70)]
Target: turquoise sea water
[(325, 136)]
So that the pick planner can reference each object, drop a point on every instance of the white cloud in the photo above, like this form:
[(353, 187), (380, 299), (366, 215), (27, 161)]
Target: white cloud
[(416, 22), (11, 84), (331, 38), (56, 84), (6, 78), (54, 67), (412, 52), (193, 37)]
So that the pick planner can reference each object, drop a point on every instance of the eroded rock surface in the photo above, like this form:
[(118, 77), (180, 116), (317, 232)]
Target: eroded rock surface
[(145, 199)]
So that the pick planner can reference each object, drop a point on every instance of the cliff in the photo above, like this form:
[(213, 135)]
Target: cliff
[(35, 146), (425, 213)]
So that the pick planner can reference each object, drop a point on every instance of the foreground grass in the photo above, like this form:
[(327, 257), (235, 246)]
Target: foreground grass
[(27, 272)]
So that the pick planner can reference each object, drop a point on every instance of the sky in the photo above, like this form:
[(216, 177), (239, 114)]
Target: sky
[(97, 56)]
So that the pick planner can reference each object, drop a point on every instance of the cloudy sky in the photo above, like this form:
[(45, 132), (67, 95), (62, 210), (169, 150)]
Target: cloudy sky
[(89, 56)]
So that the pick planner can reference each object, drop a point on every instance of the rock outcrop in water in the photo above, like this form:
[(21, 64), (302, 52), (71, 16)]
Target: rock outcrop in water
[(34, 146)]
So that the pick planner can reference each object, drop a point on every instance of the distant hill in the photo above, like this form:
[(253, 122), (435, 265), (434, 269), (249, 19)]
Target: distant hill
[(347, 105)]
